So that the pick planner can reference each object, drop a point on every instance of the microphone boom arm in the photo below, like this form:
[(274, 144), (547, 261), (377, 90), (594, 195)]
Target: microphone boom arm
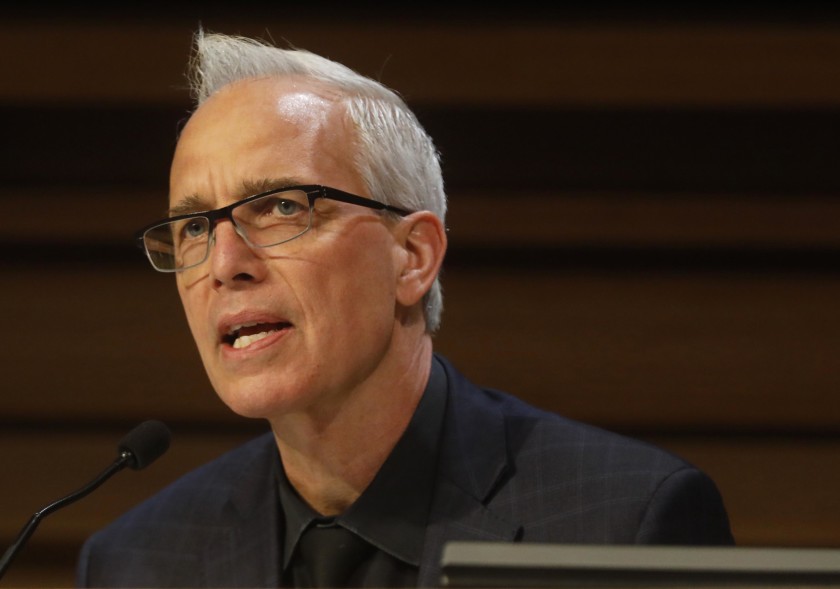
[(121, 462), (139, 448)]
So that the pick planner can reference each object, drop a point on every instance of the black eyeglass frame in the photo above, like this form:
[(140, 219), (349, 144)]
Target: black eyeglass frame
[(313, 192)]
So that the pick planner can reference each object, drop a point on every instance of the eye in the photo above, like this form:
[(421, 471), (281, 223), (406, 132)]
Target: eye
[(285, 207), (193, 228)]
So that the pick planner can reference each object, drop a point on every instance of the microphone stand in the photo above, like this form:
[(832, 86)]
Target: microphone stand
[(121, 462)]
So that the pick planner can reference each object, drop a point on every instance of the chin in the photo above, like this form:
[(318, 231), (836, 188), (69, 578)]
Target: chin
[(258, 401)]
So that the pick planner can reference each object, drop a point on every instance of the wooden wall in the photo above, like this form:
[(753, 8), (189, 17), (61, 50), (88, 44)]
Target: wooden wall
[(645, 235)]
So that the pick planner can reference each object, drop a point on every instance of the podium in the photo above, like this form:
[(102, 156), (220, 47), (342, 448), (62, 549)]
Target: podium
[(522, 565)]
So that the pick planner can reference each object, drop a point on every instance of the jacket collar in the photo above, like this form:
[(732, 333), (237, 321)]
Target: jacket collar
[(472, 464)]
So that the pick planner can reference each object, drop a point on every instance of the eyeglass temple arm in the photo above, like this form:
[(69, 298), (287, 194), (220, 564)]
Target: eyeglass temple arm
[(335, 194)]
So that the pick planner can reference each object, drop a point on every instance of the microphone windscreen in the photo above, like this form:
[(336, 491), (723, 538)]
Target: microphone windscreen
[(146, 443)]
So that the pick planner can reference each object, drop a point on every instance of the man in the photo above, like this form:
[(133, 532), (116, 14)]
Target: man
[(306, 235)]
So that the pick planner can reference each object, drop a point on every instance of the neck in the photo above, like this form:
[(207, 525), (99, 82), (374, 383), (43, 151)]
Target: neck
[(330, 457)]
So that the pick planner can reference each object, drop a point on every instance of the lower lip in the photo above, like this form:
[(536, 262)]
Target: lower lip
[(258, 346)]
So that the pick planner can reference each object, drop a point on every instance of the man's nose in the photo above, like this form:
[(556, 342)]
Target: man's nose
[(231, 258)]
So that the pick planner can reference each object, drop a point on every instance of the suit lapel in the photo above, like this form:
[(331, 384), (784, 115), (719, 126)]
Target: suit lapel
[(472, 462), (244, 551)]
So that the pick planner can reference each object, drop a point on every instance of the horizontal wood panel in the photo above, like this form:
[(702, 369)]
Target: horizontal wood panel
[(663, 350), (109, 216), (588, 149), (104, 344), (779, 492), (627, 219), (533, 61), (724, 150), (635, 350)]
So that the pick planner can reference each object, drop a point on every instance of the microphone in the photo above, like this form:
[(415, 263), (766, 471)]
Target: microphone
[(138, 449)]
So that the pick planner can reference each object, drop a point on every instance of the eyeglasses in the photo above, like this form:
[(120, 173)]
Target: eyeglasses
[(262, 220)]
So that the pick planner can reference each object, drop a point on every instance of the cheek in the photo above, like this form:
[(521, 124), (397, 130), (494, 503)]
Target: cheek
[(371, 309), (356, 290), (190, 303)]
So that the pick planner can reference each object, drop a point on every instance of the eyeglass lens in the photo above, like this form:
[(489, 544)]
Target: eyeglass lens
[(263, 222)]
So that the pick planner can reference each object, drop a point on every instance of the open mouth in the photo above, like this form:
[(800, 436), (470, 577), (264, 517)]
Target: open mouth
[(242, 336)]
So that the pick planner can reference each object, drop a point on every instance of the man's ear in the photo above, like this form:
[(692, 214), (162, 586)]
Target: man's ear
[(423, 240)]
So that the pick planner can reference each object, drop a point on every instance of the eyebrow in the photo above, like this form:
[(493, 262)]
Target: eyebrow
[(195, 203), (189, 204)]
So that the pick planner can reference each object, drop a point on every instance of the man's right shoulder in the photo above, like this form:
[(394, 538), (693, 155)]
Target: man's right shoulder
[(177, 535), (207, 489)]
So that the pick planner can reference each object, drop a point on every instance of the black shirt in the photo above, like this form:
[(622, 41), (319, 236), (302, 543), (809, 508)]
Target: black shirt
[(391, 513)]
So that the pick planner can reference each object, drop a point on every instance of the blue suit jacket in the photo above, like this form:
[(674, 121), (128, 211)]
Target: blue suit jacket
[(507, 472)]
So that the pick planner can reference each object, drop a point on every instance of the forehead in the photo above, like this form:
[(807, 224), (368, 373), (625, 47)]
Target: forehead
[(270, 103), (263, 128)]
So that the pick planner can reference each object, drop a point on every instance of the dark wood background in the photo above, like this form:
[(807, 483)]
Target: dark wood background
[(645, 235)]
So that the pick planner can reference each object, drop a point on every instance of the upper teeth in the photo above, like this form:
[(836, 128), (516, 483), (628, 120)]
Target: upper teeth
[(243, 340), (247, 340)]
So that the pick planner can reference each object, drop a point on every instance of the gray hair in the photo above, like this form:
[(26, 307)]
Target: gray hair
[(396, 159)]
